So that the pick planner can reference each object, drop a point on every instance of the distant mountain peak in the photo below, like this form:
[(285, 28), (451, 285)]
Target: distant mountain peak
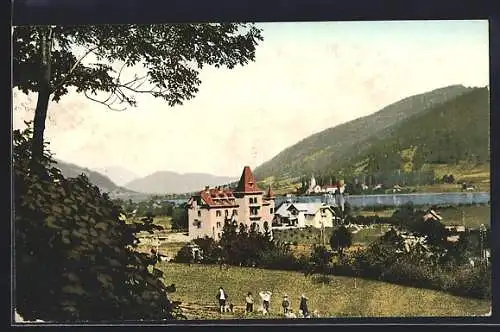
[(168, 182), (118, 174)]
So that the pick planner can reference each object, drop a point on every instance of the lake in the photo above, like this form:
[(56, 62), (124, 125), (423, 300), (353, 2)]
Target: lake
[(454, 198)]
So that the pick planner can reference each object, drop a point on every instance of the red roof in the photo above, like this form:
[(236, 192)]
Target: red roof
[(247, 182), (217, 197)]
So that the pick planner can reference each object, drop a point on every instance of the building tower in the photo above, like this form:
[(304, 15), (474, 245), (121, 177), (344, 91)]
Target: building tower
[(250, 200)]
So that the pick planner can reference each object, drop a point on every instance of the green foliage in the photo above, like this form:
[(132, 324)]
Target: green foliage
[(184, 255), (52, 60), (387, 260), (74, 258), (209, 248), (243, 246), (318, 261), (170, 54), (433, 230), (341, 239), (442, 135), (180, 217)]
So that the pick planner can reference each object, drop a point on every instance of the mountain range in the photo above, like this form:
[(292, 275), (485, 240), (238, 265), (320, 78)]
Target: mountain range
[(172, 182), (163, 182), (118, 174), (102, 181)]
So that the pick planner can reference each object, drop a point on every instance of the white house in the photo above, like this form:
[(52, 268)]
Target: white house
[(282, 215), (319, 215), (297, 214), (301, 215)]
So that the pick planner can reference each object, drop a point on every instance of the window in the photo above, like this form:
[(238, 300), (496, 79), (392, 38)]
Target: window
[(254, 211), (217, 213), (235, 212), (218, 224), (251, 200), (199, 213), (226, 213), (272, 210), (198, 224)]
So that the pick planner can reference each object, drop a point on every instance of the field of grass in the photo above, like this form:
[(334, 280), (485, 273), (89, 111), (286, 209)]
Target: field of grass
[(473, 215), (197, 287), (371, 213), (312, 236), (366, 236)]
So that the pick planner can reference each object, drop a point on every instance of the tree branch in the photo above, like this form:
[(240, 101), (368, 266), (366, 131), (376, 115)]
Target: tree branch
[(105, 102), (60, 84)]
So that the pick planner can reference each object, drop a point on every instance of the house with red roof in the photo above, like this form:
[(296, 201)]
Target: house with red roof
[(247, 204)]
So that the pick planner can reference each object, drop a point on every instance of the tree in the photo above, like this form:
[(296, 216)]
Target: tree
[(180, 217), (318, 262), (434, 231), (75, 259), (404, 215), (51, 60), (341, 238)]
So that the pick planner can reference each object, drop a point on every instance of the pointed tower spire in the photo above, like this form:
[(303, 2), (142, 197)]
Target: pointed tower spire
[(247, 182), (269, 193)]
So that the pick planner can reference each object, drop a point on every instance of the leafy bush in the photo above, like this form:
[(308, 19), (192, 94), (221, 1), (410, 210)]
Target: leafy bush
[(385, 260), (184, 255), (75, 259)]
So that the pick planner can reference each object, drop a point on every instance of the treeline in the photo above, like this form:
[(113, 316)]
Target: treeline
[(455, 131), (241, 245), (156, 208)]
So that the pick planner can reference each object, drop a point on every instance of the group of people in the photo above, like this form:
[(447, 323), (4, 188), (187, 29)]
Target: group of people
[(226, 306)]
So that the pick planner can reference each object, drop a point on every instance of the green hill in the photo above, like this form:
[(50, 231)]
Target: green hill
[(102, 181), (456, 132), (441, 123)]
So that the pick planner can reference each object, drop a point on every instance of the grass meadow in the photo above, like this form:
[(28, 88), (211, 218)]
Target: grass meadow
[(197, 287)]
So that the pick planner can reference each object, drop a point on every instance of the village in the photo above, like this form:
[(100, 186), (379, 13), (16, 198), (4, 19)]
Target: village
[(248, 205)]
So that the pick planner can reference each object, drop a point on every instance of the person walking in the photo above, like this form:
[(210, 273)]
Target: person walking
[(303, 306), (222, 297), (285, 304), (249, 302), (266, 301)]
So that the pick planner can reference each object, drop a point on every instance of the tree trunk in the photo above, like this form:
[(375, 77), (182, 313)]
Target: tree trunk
[(43, 93)]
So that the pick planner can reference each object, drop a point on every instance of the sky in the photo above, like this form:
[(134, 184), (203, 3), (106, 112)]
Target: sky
[(306, 77)]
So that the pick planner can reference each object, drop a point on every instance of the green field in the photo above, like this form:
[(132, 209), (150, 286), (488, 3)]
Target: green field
[(468, 215), (313, 235), (197, 286), (473, 215)]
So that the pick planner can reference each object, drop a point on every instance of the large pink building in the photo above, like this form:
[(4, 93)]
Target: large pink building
[(247, 204)]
